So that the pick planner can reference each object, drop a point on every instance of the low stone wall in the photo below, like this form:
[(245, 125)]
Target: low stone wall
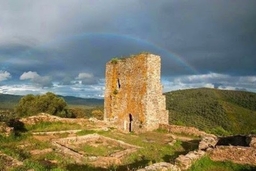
[(57, 132), (65, 146), (42, 117), (253, 142), (93, 137), (236, 154), (208, 142), (163, 166), (184, 162)]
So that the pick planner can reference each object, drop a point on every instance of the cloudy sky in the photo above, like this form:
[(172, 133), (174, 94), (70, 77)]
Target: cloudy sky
[(62, 46)]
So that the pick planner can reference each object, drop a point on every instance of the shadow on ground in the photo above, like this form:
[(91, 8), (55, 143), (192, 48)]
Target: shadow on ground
[(187, 147), (137, 165)]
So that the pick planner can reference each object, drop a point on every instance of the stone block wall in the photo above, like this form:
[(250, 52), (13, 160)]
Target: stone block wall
[(133, 93)]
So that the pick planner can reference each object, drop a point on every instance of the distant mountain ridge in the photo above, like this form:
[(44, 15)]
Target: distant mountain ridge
[(213, 110), (71, 100), (8, 101)]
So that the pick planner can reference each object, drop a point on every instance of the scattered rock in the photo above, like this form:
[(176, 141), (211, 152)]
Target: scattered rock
[(8, 161), (57, 132), (184, 162), (253, 142), (37, 152), (208, 141), (236, 154), (172, 142), (5, 130), (162, 166)]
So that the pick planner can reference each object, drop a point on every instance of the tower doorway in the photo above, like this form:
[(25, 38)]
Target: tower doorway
[(130, 122)]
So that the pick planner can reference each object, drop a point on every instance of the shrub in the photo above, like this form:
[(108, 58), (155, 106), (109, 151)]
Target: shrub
[(48, 103), (114, 60)]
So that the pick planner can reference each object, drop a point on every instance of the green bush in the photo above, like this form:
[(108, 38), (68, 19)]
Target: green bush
[(48, 103), (114, 60), (220, 131), (253, 131)]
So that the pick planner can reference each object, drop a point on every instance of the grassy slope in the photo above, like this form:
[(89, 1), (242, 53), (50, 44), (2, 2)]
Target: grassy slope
[(8, 101), (213, 110)]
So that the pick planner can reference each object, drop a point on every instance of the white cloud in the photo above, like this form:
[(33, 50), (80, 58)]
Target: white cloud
[(210, 76), (203, 78), (87, 78), (21, 89), (29, 75), (84, 75), (211, 80), (4, 75), (42, 81), (227, 88), (250, 79)]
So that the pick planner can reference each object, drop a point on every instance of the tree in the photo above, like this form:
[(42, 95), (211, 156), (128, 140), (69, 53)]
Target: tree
[(48, 103)]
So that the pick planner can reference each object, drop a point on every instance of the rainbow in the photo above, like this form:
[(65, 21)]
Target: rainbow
[(170, 55), (145, 45)]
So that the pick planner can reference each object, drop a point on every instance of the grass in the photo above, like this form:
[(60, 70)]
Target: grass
[(206, 164), (52, 126), (215, 111), (85, 132), (155, 148), (100, 150)]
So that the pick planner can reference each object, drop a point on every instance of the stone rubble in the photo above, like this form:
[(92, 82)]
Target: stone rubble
[(236, 154), (9, 161), (208, 142), (253, 142), (162, 166), (184, 162), (5, 130)]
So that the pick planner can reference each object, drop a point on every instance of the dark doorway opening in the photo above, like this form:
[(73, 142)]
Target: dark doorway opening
[(130, 122), (118, 84)]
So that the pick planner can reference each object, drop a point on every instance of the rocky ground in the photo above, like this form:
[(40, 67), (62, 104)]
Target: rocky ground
[(236, 154)]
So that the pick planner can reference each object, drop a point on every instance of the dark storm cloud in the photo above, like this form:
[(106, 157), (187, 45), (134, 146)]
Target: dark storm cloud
[(61, 39)]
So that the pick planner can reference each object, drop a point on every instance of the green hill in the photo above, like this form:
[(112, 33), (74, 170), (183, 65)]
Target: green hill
[(71, 100), (217, 111), (8, 101)]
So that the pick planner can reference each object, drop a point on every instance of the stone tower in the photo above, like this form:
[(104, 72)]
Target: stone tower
[(133, 93)]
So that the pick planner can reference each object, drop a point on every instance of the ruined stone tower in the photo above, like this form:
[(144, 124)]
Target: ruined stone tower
[(133, 94)]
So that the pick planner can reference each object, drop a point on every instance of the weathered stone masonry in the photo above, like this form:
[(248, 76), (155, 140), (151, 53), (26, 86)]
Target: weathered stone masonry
[(133, 93)]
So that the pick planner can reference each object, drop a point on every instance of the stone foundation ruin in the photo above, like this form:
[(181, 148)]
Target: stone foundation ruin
[(94, 148), (133, 93)]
